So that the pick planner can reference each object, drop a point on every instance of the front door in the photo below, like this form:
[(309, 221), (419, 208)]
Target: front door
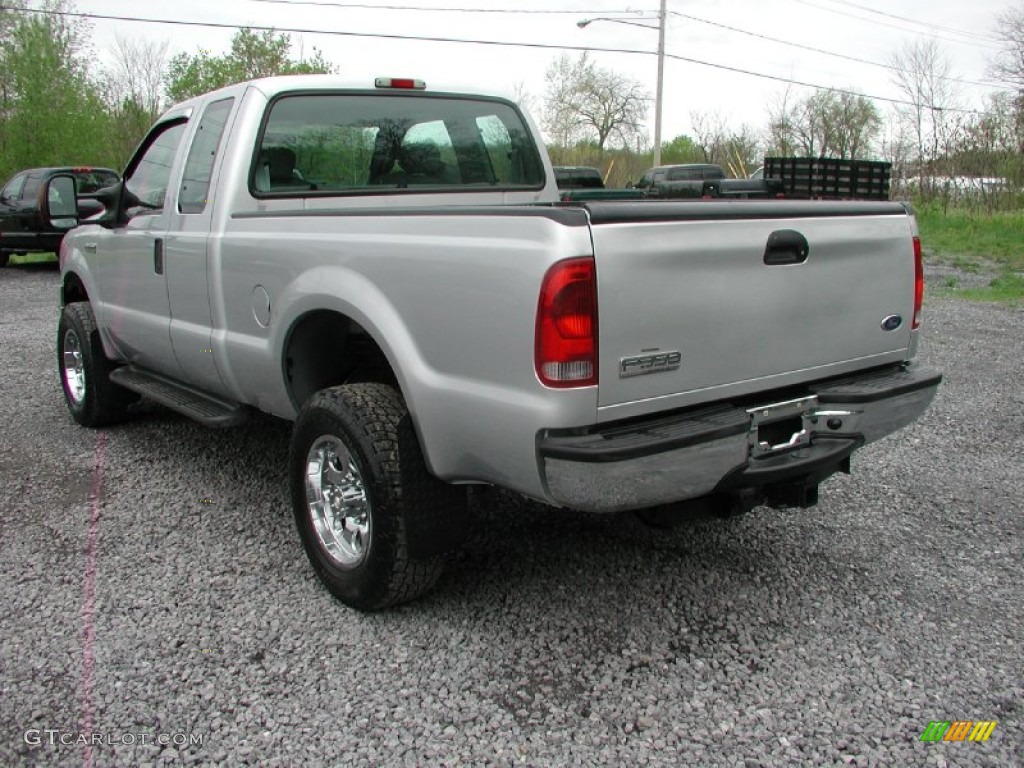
[(129, 260)]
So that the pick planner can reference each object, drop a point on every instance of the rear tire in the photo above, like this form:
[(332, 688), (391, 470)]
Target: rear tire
[(357, 475), (93, 400)]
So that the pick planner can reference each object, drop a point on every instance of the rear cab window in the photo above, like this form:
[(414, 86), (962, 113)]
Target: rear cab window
[(89, 180), (315, 144)]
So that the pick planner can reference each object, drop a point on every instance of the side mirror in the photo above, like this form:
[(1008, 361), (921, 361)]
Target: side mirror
[(61, 202), (110, 200)]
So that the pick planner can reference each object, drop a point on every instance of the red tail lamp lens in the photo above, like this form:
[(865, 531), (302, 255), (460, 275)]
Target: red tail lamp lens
[(565, 349)]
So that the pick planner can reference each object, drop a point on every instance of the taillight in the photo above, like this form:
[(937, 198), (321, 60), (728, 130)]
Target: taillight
[(918, 284), (565, 348)]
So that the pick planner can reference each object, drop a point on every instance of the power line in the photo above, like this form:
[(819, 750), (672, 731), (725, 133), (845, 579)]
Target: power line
[(435, 9), (890, 26), (500, 43), (925, 24), (822, 51)]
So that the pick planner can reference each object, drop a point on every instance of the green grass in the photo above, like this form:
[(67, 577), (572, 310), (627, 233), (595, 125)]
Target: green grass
[(976, 243), (34, 258), (964, 238), (1008, 287)]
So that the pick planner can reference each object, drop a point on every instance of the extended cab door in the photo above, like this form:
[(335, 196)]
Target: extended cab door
[(128, 260), (187, 250)]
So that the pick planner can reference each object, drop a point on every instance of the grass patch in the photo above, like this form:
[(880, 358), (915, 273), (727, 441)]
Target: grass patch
[(1008, 287), (34, 258), (968, 239)]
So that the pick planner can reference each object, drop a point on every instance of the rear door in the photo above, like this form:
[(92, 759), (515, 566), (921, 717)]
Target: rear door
[(699, 301), (186, 251)]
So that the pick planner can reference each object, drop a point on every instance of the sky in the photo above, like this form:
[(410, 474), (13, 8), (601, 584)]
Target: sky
[(719, 33)]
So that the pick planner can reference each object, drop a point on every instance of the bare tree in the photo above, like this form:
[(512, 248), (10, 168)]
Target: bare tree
[(782, 118), (134, 89), (137, 73), (583, 102), (824, 124), (737, 151), (709, 133), (923, 74), (1008, 64)]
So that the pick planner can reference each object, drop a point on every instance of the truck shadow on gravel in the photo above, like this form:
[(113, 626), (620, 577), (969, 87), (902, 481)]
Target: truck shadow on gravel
[(520, 556)]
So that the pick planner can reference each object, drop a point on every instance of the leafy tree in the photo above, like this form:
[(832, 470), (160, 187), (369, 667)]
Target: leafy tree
[(253, 54), (682, 149), (585, 102), (51, 112)]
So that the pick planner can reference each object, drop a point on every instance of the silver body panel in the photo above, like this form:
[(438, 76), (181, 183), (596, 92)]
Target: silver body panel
[(451, 299), (702, 287)]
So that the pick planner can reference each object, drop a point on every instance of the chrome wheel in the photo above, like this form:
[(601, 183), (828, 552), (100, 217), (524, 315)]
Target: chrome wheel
[(338, 504), (74, 367)]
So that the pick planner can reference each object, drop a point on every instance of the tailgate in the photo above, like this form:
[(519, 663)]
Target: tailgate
[(699, 279)]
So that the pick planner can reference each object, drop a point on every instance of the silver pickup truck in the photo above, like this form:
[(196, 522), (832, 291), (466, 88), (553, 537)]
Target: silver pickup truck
[(388, 266)]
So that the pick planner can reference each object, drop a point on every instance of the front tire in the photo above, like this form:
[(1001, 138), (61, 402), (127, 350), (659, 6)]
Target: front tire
[(92, 398), (357, 475)]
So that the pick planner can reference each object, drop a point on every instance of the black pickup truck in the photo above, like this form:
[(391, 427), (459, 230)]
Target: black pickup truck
[(703, 180), (577, 182), (24, 227)]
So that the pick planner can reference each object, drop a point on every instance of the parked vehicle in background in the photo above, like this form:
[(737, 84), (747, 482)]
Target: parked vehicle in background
[(829, 178), (577, 182), (702, 180), (418, 302), (578, 177), (25, 226)]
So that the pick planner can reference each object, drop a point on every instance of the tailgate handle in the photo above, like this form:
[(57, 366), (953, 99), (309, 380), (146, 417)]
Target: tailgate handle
[(786, 246)]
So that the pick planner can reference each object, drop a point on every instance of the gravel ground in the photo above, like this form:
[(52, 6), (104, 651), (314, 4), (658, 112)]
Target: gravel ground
[(180, 602)]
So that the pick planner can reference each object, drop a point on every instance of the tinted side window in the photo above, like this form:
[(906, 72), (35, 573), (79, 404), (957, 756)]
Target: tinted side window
[(31, 189), (195, 183), (714, 173), (151, 172), (12, 189), (338, 143), (684, 174)]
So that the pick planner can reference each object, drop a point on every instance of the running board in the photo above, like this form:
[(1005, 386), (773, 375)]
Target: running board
[(204, 408)]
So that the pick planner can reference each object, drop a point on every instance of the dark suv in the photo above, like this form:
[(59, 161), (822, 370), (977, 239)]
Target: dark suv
[(23, 227)]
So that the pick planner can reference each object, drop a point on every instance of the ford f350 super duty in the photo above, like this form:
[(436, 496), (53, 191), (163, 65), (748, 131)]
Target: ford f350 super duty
[(389, 267)]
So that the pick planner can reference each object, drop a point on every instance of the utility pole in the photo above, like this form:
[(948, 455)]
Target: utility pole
[(659, 95)]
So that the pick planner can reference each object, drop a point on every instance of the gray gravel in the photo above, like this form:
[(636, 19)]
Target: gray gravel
[(829, 636)]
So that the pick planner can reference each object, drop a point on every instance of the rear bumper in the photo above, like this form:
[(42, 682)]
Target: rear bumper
[(643, 463)]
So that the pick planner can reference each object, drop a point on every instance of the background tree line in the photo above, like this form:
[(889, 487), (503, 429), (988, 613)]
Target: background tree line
[(57, 106)]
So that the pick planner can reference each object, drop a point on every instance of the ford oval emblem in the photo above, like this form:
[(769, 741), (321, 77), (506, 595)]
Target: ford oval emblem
[(892, 322)]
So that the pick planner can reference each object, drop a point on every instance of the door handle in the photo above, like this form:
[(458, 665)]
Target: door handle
[(158, 256), (786, 246), (89, 247)]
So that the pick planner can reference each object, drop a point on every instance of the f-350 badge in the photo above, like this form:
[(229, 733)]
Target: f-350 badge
[(655, 362)]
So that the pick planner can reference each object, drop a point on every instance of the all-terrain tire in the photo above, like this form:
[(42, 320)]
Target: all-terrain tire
[(360, 546), (92, 398)]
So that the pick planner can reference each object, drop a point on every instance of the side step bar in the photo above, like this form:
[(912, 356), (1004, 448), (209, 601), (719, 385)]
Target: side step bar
[(204, 408)]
